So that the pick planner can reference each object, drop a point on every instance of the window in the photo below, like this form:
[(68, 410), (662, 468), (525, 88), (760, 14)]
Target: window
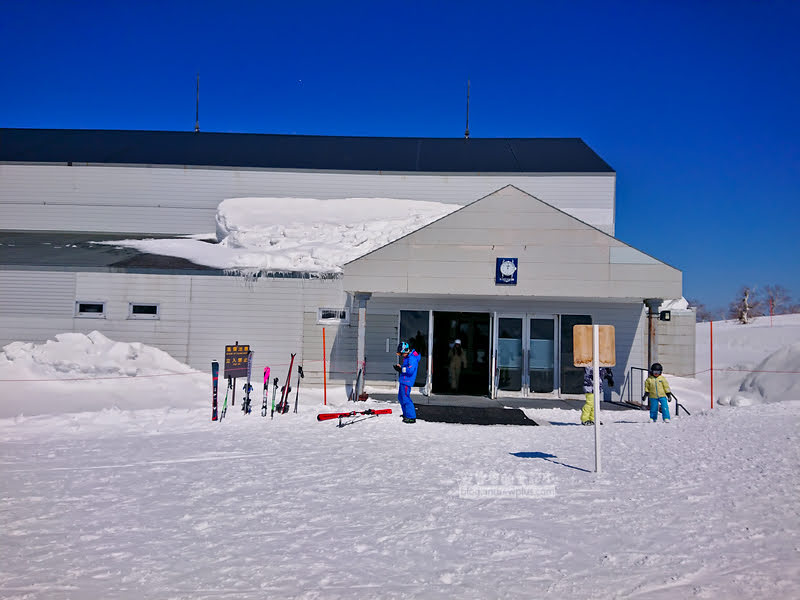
[(333, 316), (137, 310), (92, 310)]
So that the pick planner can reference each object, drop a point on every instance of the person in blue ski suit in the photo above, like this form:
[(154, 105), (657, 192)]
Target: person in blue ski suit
[(406, 367)]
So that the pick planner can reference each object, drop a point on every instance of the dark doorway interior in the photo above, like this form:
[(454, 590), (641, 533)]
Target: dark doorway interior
[(473, 329)]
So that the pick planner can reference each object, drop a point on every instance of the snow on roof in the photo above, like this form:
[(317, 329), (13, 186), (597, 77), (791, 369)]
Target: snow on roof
[(298, 234)]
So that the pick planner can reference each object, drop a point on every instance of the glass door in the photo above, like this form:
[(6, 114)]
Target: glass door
[(510, 373), (525, 354), (541, 355)]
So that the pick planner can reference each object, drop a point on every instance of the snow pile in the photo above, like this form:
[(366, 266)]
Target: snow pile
[(678, 304), (75, 355), (754, 363), (77, 372), (298, 234), (777, 378)]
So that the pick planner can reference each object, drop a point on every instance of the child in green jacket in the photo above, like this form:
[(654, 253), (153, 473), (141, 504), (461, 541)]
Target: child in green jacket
[(657, 389)]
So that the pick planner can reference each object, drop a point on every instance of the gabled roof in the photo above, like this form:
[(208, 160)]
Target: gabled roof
[(559, 256), (394, 154)]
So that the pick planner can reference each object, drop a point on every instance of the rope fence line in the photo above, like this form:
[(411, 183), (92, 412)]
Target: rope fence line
[(732, 370), (142, 376)]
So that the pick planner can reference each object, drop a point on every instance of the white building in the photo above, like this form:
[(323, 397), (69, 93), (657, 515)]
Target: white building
[(545, 204)]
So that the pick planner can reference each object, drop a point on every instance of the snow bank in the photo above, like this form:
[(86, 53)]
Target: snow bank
[(775, 379), (298, 234), (753, 363), (76, 355), (77, 372)]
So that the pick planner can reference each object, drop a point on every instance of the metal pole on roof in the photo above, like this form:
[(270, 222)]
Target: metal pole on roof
[(466, 132), (197, 107)]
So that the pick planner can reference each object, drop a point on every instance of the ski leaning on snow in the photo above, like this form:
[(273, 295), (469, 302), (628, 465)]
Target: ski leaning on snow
[(283, 405), (225, 402), (300, 375), (214, 387), (266, 392), (353, 413), (354, 391), (274, 393)]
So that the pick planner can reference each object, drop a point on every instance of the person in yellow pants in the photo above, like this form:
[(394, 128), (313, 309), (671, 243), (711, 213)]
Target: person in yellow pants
[(587, 412)]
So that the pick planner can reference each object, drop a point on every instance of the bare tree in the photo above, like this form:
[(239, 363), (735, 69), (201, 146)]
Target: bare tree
[(746, 306), (778, 298), (702, 313)]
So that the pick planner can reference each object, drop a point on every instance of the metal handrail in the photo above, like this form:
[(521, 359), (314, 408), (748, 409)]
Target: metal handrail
[(671, 396)]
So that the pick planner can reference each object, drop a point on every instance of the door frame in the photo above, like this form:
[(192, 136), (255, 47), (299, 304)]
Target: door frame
[(524, 391)]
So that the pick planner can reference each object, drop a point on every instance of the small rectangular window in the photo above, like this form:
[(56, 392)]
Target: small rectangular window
[(334, 316), (94, 310), (138, 310)]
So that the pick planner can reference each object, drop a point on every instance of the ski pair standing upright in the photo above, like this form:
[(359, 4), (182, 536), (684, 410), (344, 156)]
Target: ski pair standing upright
[(266, 392), (283, 405)]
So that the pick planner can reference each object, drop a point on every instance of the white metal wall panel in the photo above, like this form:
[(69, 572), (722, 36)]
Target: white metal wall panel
[(263, 313), (340, 351), (138, 199), (43, 293), (267, 313), (117, 290), (676, 343), (199, 315)]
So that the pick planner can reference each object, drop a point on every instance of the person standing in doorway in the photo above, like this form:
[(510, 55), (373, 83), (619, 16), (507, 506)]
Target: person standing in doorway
[(456, 361), (406, 367), (587, 412)]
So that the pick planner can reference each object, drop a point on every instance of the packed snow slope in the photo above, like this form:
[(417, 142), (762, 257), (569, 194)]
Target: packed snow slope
[(754, 363), (122, 502), (298, 234)]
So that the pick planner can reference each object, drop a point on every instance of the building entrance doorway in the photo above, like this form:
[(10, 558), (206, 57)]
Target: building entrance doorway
[(466, 372), (526, 347)]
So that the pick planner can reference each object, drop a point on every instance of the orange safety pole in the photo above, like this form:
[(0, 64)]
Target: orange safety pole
[(324, 372), (711, 346)]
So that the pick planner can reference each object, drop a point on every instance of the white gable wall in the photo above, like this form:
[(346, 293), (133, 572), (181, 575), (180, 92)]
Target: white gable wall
[(559, 256)]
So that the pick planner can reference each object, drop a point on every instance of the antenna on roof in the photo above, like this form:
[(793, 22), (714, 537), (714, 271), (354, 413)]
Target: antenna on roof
[(197, 107), (466, 132)]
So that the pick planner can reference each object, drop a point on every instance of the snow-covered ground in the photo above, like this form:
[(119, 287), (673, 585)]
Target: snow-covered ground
[(116, 484)]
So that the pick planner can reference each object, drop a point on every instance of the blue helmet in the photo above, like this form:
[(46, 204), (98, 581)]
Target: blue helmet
[(402, 348)]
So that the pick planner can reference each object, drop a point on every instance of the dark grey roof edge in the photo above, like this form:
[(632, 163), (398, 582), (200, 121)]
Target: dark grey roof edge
[(282, 151)]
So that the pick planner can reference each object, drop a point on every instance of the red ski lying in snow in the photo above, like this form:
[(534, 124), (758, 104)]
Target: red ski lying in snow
[(353, 413)]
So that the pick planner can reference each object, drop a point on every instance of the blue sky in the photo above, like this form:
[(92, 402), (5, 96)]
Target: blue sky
[(694, 104)]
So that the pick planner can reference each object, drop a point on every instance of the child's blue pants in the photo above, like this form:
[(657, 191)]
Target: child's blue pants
[(654, 402)]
